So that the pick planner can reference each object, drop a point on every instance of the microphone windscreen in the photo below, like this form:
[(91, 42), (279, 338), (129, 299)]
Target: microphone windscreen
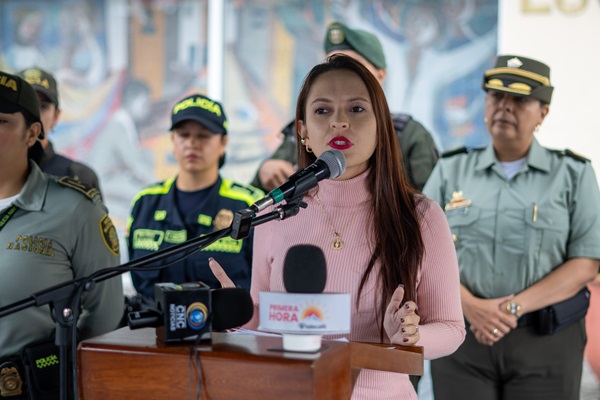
[(335, 161), (231, 307), (304, 269)]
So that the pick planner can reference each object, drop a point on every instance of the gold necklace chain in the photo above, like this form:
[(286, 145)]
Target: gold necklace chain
[(337, 243)]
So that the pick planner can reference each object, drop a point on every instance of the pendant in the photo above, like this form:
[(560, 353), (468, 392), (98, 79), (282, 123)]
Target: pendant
[(337, 243)]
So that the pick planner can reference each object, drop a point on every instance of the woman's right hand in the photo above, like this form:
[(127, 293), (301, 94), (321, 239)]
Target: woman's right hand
[(220, 273), (488, 322)]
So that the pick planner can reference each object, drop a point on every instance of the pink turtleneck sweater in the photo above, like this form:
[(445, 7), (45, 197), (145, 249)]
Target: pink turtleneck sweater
[(348, 203)]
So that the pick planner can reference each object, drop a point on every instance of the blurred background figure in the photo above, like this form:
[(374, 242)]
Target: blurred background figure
[(52, 163), (195, 202)]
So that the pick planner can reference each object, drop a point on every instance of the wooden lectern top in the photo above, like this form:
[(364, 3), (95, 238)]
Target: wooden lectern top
[(134, 364)]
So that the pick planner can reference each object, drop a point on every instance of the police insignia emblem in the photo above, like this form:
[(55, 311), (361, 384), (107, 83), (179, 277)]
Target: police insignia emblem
[(10, 380), (336, 35), (88, 191), (223, 219), (457, 201), (514, 63), (109, 234)]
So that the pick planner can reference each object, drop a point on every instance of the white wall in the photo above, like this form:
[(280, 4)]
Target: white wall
[(565, 34)]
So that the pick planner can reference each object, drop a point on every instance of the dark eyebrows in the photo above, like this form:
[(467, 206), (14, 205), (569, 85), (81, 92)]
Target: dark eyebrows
[(320, 99), (326, 100)]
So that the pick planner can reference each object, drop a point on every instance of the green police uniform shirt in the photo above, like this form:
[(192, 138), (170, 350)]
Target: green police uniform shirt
[(57, 233), (510, 233)]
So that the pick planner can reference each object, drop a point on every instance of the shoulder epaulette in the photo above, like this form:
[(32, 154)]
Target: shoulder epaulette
[(570, 153), (455, 151), (460, 150), (88, 191), (159, 188), (247, 193), (400, 120)]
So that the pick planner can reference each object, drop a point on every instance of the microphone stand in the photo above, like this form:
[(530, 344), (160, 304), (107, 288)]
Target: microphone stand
[(63, 299)]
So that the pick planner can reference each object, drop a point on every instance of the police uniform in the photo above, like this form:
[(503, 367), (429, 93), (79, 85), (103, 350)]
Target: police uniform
[(58, 165), (156, 224), (509, 234), (58, 232)]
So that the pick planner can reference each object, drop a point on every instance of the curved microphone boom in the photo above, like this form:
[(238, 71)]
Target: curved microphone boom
[(329, 165)]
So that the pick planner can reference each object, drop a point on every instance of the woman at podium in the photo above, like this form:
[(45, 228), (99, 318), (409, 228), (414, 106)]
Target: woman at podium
[(384, 243)]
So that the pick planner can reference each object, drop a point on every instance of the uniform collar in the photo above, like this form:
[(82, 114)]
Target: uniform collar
[(537, 157), (487, 158), (33, 194)]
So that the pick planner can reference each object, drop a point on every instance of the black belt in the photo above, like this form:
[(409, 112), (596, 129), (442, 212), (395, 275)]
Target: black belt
[(527, 319)]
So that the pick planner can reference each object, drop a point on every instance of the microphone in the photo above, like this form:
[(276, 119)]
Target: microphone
[(193, 309), (304, 269), (232, 307), (304, 313), (330, 164)]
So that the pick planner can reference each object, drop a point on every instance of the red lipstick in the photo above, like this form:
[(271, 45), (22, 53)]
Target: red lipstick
[(340, 143)]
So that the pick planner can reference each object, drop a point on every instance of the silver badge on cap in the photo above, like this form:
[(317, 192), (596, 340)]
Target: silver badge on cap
[(514, 63), (336, 35)]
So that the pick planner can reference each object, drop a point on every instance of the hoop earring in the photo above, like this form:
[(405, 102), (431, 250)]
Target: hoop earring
[(303, 142)]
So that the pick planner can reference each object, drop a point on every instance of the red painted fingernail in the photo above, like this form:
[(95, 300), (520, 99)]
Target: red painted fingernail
[(405, 340), (407, 306), (403, 330), (402, 320)]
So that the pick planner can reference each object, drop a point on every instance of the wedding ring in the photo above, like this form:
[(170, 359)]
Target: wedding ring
[(495, 331)]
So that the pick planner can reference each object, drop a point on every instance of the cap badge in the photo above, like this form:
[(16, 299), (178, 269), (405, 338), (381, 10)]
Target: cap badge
[(457, 201), (34, 77), (514, 63), (336, 35)]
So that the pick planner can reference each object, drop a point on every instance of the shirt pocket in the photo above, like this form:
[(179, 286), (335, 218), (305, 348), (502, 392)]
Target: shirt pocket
[(461, 222), (547, 234), (465, 233)]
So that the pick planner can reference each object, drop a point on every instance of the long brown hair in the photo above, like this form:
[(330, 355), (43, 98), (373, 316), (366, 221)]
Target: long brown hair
[(399, 246)]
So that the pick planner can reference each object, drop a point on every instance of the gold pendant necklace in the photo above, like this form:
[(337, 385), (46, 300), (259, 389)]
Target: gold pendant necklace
[(337, 243)]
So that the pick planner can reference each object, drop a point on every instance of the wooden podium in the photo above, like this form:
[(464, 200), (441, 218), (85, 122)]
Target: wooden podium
[(133, 364)]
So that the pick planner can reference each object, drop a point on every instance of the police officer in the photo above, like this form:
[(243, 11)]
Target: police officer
[(52, 163), (526, 225), (51, 231), (195, 202), (416, 144)]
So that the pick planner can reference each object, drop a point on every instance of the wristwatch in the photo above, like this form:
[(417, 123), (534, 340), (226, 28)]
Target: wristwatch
[(513, 308)]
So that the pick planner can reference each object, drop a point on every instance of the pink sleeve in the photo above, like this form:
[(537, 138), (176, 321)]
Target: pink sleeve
[(442, 324), (261, 268)]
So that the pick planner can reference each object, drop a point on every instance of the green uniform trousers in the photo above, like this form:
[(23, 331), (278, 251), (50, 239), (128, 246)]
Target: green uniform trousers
[(521, 366)]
